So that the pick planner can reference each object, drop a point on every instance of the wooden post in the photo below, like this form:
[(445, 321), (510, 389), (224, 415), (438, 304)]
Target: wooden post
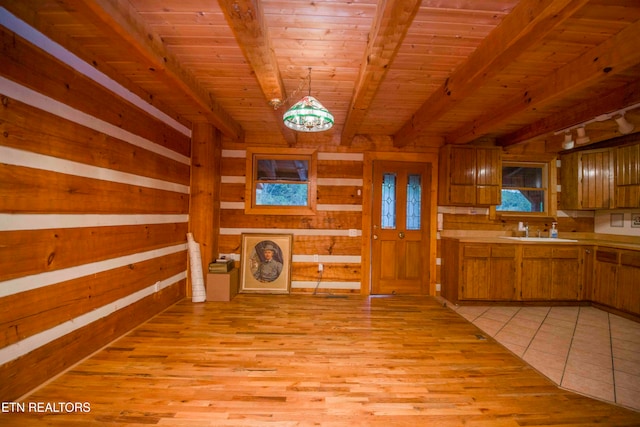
[(204, 208)]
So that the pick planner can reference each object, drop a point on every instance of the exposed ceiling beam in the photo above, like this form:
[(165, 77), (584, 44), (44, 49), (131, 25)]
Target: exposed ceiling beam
[(592, 66), (246, 20), (526, 25), (393, 19), (122, 20), (621, 98)]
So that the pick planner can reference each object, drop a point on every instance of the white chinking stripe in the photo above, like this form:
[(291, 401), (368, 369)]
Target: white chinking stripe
[(36, 281), (33, 36), (27, 345), (50, 105), (319, 207), (13, 156), (325, 285), (296, 231), (16, 222)]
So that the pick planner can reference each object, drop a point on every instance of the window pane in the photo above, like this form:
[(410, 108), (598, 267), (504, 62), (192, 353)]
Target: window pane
[(522, 201), (414, 196), (282, 170), (281, 194), (388, 201), (522, 177)]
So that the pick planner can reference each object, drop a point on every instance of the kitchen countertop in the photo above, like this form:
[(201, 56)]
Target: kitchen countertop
[(615, 244)]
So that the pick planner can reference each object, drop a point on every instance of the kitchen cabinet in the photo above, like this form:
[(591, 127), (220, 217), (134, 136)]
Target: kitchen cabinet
[(473, 270), (551, 273), (617, 279), (469, 176), (488, 272), (605, 276), (628, 176), (478, 271), (587, 180), (628, 289)]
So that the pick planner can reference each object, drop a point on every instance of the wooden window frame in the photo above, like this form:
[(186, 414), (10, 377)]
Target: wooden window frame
[(253, 154), (551, 193)]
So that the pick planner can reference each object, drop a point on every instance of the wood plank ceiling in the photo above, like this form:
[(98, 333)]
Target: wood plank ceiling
[(449, 71)]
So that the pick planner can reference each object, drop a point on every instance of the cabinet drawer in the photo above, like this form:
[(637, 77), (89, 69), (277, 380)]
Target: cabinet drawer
[(630, 258), (604, 255), (531, 251), (573, 253), (506, 251), (477, 251)]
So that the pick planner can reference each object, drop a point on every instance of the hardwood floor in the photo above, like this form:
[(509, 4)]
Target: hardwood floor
[(310, 360)]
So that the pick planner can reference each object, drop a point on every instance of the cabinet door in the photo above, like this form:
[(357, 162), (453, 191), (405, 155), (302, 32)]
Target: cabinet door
[(596, 176), (628, 176), (628, 289), (605, 277), (488, 176), (476, 270), (536, 273), (462, 175), (566, 274), (502, 284)]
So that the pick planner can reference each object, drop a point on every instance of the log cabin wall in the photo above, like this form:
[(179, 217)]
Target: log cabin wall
[(94, 199), (326, 234)]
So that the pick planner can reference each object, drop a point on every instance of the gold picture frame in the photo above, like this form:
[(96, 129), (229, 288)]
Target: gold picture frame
[(265, 263)]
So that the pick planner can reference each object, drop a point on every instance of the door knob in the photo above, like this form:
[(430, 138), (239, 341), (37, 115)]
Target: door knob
[(375, 237), (401, 234)]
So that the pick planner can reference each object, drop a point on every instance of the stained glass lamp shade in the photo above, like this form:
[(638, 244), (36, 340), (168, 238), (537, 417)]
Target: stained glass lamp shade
[(308, 115)]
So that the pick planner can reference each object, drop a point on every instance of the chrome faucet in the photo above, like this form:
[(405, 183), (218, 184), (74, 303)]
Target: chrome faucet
[(526, 229)]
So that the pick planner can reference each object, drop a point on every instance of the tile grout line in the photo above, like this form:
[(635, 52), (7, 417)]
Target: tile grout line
[(536, 334), (613, 365), (566, 359)]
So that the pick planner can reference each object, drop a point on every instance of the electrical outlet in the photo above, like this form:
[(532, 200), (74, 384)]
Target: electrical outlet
[(438, 287), (156, 287), (320, 268)]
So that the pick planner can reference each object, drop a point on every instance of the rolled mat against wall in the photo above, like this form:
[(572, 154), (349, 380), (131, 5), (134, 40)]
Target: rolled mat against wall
[(198, 290)]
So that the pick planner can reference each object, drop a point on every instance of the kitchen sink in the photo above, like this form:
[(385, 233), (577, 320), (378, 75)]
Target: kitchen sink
[(538, 239)]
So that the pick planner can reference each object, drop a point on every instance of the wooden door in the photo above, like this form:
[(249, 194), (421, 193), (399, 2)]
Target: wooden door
[(400, 228)]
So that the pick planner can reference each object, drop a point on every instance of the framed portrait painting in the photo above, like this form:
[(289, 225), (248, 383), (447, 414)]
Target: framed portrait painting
[(265, 263)]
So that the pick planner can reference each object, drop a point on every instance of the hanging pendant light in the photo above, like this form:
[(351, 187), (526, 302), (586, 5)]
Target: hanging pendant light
[(308, 115)]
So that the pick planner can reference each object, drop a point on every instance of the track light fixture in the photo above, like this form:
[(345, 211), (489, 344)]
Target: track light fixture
[(568, 141), (582, 136), (624, 127)]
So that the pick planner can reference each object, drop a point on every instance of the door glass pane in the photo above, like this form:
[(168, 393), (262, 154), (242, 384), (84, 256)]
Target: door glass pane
[(414, 197), (388, 214)]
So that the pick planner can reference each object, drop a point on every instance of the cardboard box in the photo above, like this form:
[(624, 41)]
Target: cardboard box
[(222, 286)]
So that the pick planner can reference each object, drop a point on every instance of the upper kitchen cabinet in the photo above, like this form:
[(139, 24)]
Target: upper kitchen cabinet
[(587, 179), (469, 176), (604, 178), (628, 176)]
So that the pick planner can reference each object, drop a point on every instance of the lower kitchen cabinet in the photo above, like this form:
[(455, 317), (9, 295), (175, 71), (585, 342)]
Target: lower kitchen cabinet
[(488, 272), (617, 279), (605, 277), (476, 271), (628, 292), (551, 272)]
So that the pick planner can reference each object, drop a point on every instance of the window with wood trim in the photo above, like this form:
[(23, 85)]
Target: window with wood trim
[(282, 182), (528, 187)]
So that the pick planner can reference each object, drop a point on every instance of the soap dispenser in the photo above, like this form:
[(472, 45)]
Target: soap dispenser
[(553, 233)]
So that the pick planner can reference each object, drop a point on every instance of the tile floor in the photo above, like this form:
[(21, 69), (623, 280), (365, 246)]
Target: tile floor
[(582, 349)]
